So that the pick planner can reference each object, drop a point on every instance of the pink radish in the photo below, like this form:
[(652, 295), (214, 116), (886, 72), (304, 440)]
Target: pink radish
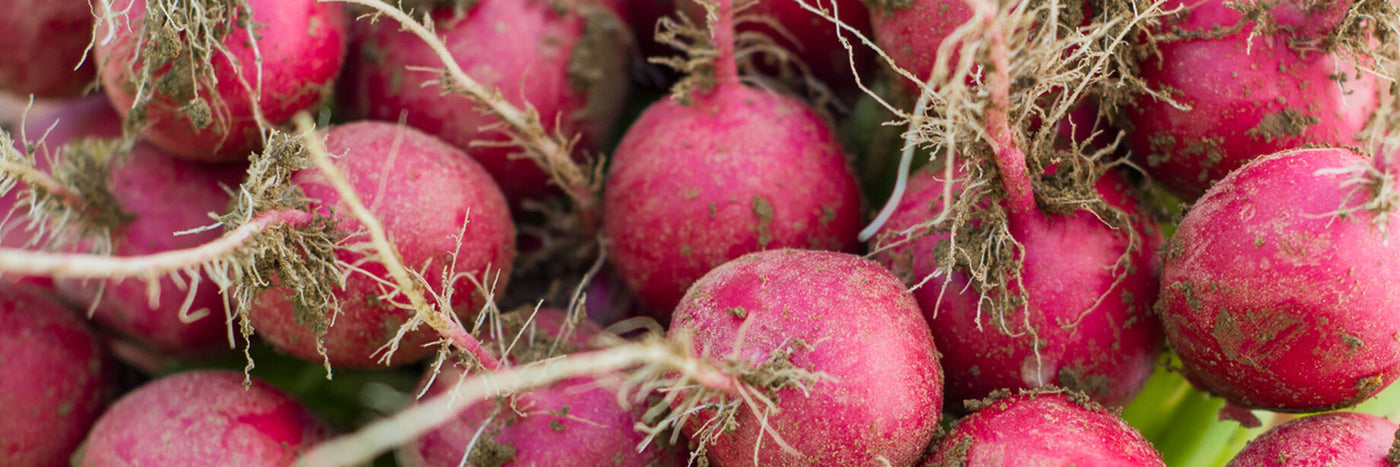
[(442, 195), (831, 313), (58, 378), (1250, 91), (563, 59), (726, 170), (1043, 428), (209, 86), (1273, 298)]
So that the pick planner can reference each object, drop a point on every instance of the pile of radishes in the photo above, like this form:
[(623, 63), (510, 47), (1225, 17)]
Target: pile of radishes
[(693, 232)]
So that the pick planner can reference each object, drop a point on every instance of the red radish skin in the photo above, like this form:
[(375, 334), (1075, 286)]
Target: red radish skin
[(577, 421), (1249, 96), (422, 193), (1338, 438), (1108, 354), (563, 63), (57, 379), (1271, 301), (738, 170), (911, 31), (883, 397), (1039, 428), (202, 417), (302, 46), (43, 45)]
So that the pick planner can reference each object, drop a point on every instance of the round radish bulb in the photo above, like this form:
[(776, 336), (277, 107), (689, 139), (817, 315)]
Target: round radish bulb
[(160, 195), (57, 381), (1043, 428), (1092, 315), (203, 417), (424, 192), (736, 170), (1338, 438), (720, 169), (292, 66), (1274, 301), (43, 44), (840, 315), (1250, 92), (577, 421), (564, 59)]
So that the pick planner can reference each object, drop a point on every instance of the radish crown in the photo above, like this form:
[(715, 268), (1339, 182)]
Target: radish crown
[(73, 201), (708, 51)]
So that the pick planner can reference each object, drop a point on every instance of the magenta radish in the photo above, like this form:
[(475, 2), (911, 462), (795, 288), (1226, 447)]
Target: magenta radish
[(1090, 307), (1042, 428), (58, 378), (831, 313), (426, 193), (729, 170), (43, 45), (1046, 277), (1337, 438), (563, 59), (578, 421), (199, 94), (160, 195), (1277, 290), (202, 417), (1250, 92)]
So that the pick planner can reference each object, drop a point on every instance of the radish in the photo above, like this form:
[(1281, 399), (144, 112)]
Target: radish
[(159, 195), (1235, 81), (718, 170), (43, 50), (1277, 289), (201, 418), (577, 421), (837, 315), (463, 228), (1337, 438), (58, 378), (1042, 428), (1090, 306), (562, 59), (203, 82), (1035, 265)]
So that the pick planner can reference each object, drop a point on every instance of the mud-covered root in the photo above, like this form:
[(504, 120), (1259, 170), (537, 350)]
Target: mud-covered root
[(176, 48)]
